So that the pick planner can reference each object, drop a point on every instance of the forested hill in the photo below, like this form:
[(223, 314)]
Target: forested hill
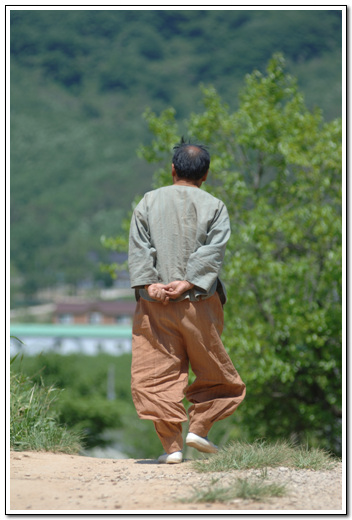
[(80, 81)]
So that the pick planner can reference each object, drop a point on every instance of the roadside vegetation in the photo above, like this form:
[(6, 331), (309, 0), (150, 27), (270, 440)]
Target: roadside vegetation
[(259, 455), (34, 423), (60, 403), (245, 488), (83, 401), (263, 454)]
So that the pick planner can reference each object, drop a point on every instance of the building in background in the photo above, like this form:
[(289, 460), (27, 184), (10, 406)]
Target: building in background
[(95, 312)]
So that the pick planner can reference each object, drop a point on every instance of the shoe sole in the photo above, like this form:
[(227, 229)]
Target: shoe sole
[(201, 447)]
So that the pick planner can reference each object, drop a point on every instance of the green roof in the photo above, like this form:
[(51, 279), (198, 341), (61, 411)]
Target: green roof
[(70, 331)]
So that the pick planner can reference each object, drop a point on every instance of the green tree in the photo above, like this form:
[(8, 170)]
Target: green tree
[(277, 166)]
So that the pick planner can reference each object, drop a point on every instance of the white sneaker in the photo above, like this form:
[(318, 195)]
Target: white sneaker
[(201, 443), (171, 458)]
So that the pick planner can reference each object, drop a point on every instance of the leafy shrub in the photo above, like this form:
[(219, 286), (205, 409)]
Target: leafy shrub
[(91, 415)]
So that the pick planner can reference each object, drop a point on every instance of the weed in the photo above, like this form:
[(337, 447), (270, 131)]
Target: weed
[(261, 454), (33, 424), (242, 488), (256, 490)]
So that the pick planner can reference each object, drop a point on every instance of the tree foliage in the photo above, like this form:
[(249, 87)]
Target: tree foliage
[(277, 166)]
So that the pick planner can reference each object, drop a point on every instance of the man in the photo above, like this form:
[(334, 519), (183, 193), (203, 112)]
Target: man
[(177, 243)]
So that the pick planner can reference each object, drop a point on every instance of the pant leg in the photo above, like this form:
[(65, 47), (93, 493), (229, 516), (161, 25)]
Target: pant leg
[(159, 372), (218, 389), (170, 435)]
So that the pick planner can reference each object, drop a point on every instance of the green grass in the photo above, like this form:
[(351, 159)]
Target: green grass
[(33, 424), (258, 455), (316, 459), (255, 489), (262, 454)]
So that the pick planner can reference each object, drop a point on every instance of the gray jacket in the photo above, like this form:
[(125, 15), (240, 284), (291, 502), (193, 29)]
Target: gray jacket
[(178, 233)]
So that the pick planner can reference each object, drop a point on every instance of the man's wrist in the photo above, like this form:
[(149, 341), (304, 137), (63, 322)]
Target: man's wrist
[(189, 285)]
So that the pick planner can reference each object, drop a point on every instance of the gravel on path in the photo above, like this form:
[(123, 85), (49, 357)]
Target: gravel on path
[(41, 481)]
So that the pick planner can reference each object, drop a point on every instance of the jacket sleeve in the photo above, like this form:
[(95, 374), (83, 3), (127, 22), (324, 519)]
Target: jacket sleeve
[(141, 253), (204, 264)]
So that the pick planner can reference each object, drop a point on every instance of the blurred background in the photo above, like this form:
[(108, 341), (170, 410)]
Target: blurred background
[(81, 81)]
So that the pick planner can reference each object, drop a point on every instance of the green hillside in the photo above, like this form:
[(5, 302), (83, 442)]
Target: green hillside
[(80, 82)]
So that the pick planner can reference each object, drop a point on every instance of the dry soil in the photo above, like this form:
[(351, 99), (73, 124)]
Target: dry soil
[(47, 482)]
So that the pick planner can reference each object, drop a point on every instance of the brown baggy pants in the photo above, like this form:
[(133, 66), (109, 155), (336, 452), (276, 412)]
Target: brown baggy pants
[(165, 339)]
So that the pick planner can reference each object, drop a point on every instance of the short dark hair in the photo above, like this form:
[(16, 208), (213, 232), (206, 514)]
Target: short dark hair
[(191, 161)]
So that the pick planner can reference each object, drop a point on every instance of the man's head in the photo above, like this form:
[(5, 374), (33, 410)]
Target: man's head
[(191, 161)]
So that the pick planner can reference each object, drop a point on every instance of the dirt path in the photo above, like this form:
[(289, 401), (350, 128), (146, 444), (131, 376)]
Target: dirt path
[(43, 481)]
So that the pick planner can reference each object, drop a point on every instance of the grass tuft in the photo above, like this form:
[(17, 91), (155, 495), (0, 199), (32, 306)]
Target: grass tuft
[(242, 488), (33, 424), (259, 455), (256, 490), (262, 454), (315, 458)]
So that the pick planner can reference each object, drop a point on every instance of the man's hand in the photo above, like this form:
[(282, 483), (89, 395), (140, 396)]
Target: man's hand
[(157, 292), (163, 293), (177, 288)]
